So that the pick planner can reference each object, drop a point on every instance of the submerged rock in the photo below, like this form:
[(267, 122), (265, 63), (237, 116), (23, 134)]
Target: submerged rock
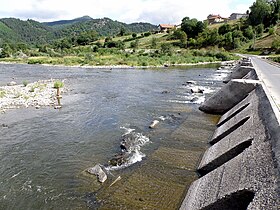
[(118, 159), (196, 90), (12, 83), (98, 171), (154, 123)]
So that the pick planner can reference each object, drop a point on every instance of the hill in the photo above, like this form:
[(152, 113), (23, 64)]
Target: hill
[(14, 30), (30, 31), (103, 26), (62, 23)]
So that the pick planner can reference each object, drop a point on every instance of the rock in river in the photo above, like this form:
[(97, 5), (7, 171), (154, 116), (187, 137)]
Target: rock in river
[(154, 123), (196, 90), (98, 171)]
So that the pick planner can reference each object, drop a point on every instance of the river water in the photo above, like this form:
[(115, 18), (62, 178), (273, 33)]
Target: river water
[(44, 152)]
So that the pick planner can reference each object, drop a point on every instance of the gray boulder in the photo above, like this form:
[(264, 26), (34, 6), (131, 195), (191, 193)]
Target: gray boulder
[(98, 171)]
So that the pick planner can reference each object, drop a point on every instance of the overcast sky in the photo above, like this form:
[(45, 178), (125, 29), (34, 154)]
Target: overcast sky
[(153, 11)]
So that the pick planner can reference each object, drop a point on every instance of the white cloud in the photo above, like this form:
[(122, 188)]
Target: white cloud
[(154, 11)]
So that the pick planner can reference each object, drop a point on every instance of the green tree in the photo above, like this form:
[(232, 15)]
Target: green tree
[(166, 48), (122, 31), (228, 40), (192, 27), (6, 51), (275, 11), (249, 33), (213, 37), (276, 43), (259, 30), (260, 13), (180, 35), (236, 43), (225, 28)]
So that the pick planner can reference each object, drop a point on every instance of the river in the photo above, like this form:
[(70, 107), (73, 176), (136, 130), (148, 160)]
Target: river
[(44, 152)]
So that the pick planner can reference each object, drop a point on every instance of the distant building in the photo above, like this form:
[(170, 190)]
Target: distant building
[(212, 19), (166, 27), (236, 16)]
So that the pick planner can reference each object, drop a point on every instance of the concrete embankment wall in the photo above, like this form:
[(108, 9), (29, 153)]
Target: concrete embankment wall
[(240, 170)]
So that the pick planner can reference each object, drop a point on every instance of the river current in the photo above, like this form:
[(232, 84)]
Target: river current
[(44, 153)]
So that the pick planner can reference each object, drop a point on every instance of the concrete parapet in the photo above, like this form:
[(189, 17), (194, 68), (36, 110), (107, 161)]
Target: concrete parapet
[(241, 170), (227, 97)]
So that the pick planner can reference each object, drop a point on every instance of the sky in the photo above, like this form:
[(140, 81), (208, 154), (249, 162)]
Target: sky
[(128, 11)]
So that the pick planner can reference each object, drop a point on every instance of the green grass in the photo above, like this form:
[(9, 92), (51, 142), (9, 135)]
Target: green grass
[(2, 93)]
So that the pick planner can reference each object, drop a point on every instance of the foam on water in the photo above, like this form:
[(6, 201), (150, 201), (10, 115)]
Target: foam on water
[(128, 130), (134, 151)]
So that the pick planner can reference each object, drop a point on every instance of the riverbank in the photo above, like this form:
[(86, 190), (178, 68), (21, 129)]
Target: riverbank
[(36, 94), (125, 66), (120, 59)]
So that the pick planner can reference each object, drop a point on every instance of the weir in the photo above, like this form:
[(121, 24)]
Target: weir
[(240, 169)]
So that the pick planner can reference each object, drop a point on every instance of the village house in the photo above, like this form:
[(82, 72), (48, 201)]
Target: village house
[(166, 27), (236, 16), (212, 19)]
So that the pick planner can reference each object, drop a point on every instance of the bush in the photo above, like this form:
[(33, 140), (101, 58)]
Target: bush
[(166, 48), (58, 84), (276, 43), (147, 34), (35, 61), (25, 83)]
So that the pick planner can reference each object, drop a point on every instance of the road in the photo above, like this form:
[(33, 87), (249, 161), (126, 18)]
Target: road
[(269, 76)]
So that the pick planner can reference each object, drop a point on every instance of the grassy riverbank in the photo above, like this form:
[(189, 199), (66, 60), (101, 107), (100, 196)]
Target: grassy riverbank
[(116, 57)]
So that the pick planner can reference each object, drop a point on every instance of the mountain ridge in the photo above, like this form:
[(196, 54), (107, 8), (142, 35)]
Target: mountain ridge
[(13, 30)]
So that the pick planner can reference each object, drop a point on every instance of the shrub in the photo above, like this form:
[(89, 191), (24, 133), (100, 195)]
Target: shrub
[(58, 84), (2, 93), (276, 43), (25, 83)]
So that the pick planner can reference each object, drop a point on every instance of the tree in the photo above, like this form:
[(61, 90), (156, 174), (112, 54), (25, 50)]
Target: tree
[(6, 51), (260, 13), (122, 31), (259, 30), (213, 37), (249, 33), (134, 35), (225, 28), (180, 35), (228, 40), (275, 11), (276, 44), (192, 27), (166, 48)]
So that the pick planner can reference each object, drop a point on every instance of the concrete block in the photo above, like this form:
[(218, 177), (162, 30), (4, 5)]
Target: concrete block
[(239, 73), (251, 75), (227, 97)]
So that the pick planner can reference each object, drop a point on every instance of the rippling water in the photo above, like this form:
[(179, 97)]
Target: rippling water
[(44, 153)]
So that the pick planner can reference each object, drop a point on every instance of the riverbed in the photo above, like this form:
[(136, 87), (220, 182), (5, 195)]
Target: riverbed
[(45, 152)]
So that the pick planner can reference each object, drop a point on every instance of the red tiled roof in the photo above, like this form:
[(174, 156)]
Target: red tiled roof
[(166, 26)]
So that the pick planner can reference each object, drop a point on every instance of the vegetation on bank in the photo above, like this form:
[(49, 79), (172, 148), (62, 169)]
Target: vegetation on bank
[(194, 42)]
